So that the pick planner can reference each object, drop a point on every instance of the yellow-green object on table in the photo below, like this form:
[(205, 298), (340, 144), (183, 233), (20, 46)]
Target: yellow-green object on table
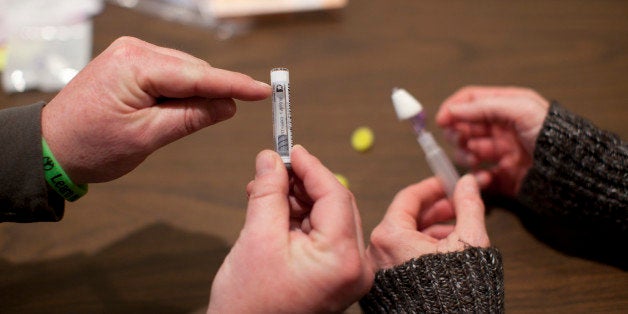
[(343, 180), (362, 139)]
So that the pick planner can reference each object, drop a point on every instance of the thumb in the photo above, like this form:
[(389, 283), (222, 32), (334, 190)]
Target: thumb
[(469, 210), (177, 118), (268, 210)]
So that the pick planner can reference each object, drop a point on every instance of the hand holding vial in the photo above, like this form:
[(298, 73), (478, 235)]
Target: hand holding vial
[(284, 264)]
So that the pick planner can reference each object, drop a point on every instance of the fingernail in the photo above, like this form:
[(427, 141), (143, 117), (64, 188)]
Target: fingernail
[(451, 136), (481, 178), (472, 185), (266, 162), (299, 146), (464, 158)]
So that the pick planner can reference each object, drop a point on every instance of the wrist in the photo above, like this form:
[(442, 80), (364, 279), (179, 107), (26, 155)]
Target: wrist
[(468, 281), (62, 142), (58, 179)]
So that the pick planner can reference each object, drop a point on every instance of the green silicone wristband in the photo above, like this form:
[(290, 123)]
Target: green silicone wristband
[(58, 179)]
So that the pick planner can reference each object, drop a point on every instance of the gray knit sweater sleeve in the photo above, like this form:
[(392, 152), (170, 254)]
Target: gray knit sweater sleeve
[(468, 281), (24, 194), (579, 174)]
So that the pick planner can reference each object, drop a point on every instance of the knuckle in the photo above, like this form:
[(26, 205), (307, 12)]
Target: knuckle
[(351, 266), (262, 190), (126, 48), (125, 40), (472, 203), (476, 239), (380, 237), (348, 197), (467, 88), (195, 118), (345, 197)]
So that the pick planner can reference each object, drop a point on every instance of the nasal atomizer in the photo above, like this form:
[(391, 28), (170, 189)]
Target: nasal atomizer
[(408, 108)]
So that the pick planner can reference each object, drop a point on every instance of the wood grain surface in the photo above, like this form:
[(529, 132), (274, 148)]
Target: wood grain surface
[(152, 241)]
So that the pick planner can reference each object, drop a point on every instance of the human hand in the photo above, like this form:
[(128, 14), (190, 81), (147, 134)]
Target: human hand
[(496, 126), (301, 248), (132, 99), (414, 223)]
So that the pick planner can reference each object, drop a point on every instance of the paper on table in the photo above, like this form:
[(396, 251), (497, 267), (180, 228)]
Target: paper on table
[(238, 8)]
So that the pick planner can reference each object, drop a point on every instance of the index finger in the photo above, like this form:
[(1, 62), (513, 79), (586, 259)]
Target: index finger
[(470, 94), (179, 78), (333, 211), (165, 73), (406, 207)]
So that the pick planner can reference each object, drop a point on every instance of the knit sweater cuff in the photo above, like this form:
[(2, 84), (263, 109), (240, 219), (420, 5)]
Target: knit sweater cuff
[(578, 174), (468, 281)]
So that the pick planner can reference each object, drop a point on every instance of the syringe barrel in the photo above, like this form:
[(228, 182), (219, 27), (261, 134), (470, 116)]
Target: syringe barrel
[(439, 162)]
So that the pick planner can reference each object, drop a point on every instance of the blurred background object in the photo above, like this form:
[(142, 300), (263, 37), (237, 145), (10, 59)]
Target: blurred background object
[(182, 11), (46, 42), (239, 8), (226, 17), (43, 44)]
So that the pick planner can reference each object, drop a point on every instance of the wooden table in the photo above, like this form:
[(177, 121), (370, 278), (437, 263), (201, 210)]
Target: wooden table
[(151, 241)]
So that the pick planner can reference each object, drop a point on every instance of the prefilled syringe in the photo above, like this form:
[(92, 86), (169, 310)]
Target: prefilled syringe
[(408, 108), (282, 120)]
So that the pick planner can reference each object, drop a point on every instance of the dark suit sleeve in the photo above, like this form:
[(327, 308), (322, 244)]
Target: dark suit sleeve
[(24, 194)]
